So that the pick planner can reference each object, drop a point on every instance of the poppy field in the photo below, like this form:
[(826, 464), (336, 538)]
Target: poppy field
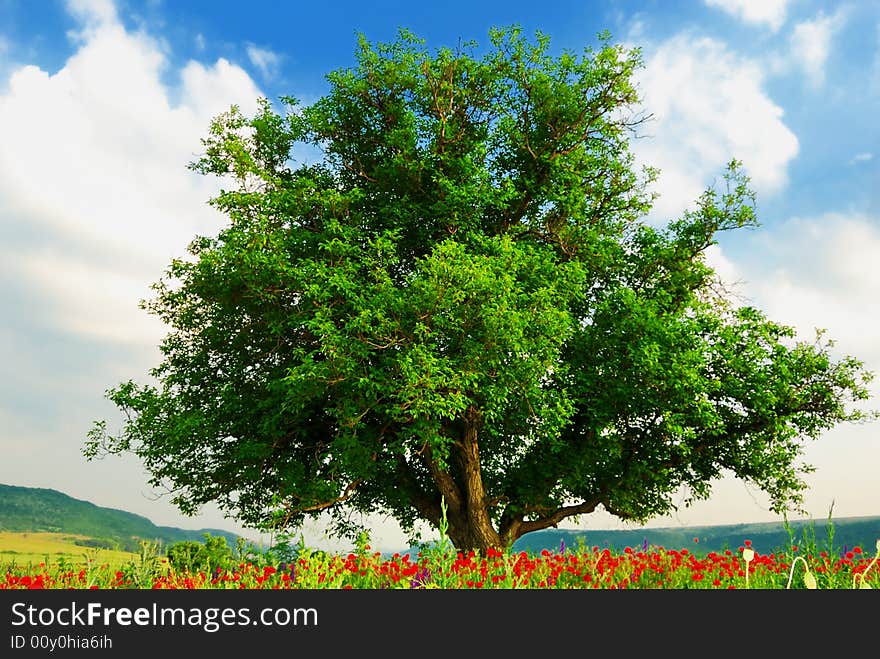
[(644, 567)]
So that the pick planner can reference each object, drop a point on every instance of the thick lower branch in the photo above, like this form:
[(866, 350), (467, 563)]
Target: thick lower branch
[(553, 519)]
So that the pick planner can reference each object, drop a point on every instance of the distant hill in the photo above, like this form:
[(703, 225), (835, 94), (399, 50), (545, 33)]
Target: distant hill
[(26, 509), (766, 537)]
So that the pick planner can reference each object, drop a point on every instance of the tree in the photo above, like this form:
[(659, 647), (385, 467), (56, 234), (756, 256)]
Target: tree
[(457, 303), (207, 556)]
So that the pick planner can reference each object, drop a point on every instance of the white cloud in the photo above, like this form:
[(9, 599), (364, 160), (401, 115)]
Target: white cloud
[(816, 273), (811, 44), (760, 12), (96, 300), (94, 165), (822, 273), (708, 106), (93, 12), (861, 157), (264, 59)]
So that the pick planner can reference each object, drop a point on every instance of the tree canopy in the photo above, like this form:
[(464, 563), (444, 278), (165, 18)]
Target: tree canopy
[(437, 294)]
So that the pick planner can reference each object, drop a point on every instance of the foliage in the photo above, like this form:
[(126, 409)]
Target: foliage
[(459, 304), (207, 556)]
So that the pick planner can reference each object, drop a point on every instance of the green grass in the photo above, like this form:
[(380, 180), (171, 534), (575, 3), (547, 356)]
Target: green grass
[(34, 548)]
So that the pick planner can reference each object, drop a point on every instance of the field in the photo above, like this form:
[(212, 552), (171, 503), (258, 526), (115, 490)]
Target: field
[(55, 548), (797, 567)]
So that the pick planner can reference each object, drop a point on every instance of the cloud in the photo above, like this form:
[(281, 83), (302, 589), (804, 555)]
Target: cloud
[(708, 106), (861, 157), (810, 44), (770, 13), (818, 273), (264, 59), (93, 12), (95, 197)]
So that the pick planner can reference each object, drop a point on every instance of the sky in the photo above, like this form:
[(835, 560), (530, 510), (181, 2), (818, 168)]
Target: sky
[(103, 104)]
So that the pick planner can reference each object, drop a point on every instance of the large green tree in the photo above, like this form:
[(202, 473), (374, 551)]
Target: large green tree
[(453, 304)]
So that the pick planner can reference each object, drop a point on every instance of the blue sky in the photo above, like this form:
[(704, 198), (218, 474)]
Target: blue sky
[(103, 103)]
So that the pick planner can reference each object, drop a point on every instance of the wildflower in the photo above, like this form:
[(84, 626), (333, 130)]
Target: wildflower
[(810, 580), (420, 579)]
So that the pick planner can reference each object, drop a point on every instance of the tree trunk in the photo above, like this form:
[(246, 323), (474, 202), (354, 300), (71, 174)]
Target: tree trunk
[(470, 527)]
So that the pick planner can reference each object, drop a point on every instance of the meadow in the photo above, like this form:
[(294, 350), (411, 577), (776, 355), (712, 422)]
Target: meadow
[(58, 548), (799, 566)]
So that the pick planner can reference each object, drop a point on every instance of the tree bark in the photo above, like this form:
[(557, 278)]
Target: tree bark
[(470, 527)]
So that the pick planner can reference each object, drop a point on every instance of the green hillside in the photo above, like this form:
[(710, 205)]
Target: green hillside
[(766, 538), (25, 509)]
